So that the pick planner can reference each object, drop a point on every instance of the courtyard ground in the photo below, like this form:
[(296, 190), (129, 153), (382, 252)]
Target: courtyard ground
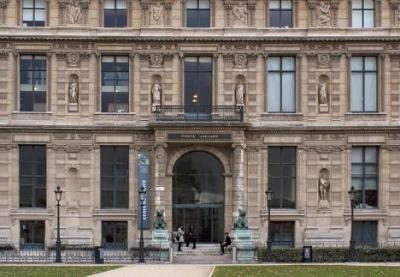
[(51, 271)]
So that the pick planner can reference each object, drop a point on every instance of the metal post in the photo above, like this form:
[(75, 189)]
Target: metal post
[(269, 250), (352, 233), (141, 241), (58, 193)]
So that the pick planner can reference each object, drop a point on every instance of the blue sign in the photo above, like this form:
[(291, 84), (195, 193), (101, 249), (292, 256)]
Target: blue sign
[(143, 180)]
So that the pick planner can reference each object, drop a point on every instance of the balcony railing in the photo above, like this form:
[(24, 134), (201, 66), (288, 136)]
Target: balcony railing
[(200, 113)]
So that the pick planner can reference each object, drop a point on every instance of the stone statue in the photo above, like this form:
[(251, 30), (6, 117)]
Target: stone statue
[(240, 91), (74, 12), (73, 91), (156, 91), (156, 14), (159, 222), (241, 221), (324, 14), (240, 12), (324, 184), (323, 93)]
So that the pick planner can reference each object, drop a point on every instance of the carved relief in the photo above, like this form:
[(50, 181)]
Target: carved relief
[(74, 12), (156, 94), (240, 14), (156, 60), (73, 93), (395, 14), (156, 15), (323, 60), (240, 91), (240, 60), (324, 188), (323, 13)]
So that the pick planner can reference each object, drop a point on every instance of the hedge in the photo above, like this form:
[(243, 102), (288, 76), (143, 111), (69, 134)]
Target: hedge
[(332, 255)]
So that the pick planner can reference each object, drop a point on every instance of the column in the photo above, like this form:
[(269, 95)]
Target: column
[(159, 169), (219, 92), (260, 84), (176, 81), (238, 178), (52, 86), (136, 82)]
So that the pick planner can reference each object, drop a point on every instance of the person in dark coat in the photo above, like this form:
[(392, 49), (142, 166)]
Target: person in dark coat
[(192, 237), (226, 243)]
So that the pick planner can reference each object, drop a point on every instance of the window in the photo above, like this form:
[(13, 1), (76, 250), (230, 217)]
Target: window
[(32, 176), (282, 176), (33, 83), (282, 234), (197, 13), (32, 234), (365, 233), (363, 13), (115, 84), (114, 176), (115, 13), (280, 13), (364, 84), (114, 234), (281, 84), (364, 175), (34, 12)]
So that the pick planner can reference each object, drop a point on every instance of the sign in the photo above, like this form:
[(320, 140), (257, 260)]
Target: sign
[(199, 137), (143, 180)]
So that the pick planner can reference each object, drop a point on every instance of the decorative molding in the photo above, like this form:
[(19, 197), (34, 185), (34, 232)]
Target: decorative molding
[(395, 12), (323, 148)]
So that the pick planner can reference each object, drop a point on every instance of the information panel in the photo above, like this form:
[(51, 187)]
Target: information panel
[(143, 180)]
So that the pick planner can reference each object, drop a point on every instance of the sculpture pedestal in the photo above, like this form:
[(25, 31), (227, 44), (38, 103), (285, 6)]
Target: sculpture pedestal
[(323, 204), (160, 242), (244, 245), (72, 107), (323, 108)]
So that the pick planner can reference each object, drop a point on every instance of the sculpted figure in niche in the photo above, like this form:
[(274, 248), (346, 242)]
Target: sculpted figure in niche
[(323, 94), (156, 15), (74, 12), (156, 91), (240, 12), (324, 14), (324, 184), (240, 91), (73, 91)]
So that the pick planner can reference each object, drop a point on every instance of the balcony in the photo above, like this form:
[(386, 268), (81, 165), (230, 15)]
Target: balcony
[(200, 113)]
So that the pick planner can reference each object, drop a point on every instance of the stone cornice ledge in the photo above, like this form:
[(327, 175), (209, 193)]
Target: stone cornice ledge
[(284, 214)]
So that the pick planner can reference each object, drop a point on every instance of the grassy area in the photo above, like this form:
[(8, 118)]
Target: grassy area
[(306, 271), (51, 271)]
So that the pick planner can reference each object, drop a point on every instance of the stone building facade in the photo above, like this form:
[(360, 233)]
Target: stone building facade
[(320, 78)]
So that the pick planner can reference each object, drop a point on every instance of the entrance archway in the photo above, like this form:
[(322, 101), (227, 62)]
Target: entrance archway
[(198, 189)]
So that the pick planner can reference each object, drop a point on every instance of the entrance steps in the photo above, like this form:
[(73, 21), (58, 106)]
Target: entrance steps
[(204, 254)]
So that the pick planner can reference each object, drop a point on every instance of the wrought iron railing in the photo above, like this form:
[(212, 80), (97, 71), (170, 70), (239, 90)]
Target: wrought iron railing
[(200, 113)]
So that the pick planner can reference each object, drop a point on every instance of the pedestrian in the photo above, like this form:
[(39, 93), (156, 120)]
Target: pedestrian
[(193, 236), (180, 237), (226, 243)]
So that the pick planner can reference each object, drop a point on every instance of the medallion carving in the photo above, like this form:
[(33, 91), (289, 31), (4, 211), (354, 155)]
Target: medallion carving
[(156, 60), (240, 60)]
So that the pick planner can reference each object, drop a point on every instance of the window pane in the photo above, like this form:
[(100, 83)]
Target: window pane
[(191, 4), (370, 92), (27, 15), (370, 63), (203, 18), (369, 19), (274, 63), (109, 4), (28, 4), (274, 19), (41, 4), (274, 92), (357, 19), (357, 92), (371, 154), (121, 18), (357, 4), (356, 63), (286, 19), (288, 63), (109, 18), (191, 18), (286, 4), (357, 170), (357, 155), (288, 193), (368, 4), (204, 4), (288, 98), (121, 4)]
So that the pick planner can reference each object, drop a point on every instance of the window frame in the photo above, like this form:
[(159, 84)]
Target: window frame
[(197, 14), (115, 9), (280, 14), (116, 203), (281, 225), (364, 72), (363, 177), (34, 9), (33, 186), (361, 240), (34, 224), (113, 225), (363, 9)]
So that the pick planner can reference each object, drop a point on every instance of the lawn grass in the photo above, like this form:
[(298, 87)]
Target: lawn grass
[(52, 271), (306, 271)]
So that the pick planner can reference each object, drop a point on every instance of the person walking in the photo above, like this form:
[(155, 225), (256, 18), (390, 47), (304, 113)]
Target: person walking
[(192, 236), (226, 243), (180, 238)]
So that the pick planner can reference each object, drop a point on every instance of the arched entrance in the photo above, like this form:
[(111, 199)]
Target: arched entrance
[(198, 195)]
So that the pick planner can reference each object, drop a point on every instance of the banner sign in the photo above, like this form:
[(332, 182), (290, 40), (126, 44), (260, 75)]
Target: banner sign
[(197, 137), (143, 180)]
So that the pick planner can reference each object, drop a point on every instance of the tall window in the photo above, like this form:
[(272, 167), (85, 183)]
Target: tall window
[(281, 84), (114, 234), (364, 84), (198, 13), (282, 176), (114, 84), (365, 233), (114, 176), (34, 12), (280, 13), (115, 13), (32, 234), (32, 176), (363, 13), (33, 83), (282, 234), (364, 175)]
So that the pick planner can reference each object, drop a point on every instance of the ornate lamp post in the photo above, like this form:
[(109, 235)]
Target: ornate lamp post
[(352, 195), (268, 195), (58, 192), (142, 194)]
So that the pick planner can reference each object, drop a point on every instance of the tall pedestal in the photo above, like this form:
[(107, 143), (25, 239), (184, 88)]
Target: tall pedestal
[(244, 245)]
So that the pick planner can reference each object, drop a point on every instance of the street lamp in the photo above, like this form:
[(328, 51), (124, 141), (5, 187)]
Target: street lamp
[(142, 195), (352, 195), (58, 192), (268, 195)]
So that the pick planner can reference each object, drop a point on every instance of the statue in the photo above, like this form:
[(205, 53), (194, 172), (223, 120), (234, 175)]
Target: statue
[(324, 184), (74, 12), (240, 13), (241, 221), (324, 14), (156, 91), (323, 93), (240, 91), (156, 14), (73, 91), (159, 222)]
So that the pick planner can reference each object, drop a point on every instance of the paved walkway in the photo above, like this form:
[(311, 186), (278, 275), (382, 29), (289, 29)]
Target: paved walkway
[(170, 270)]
